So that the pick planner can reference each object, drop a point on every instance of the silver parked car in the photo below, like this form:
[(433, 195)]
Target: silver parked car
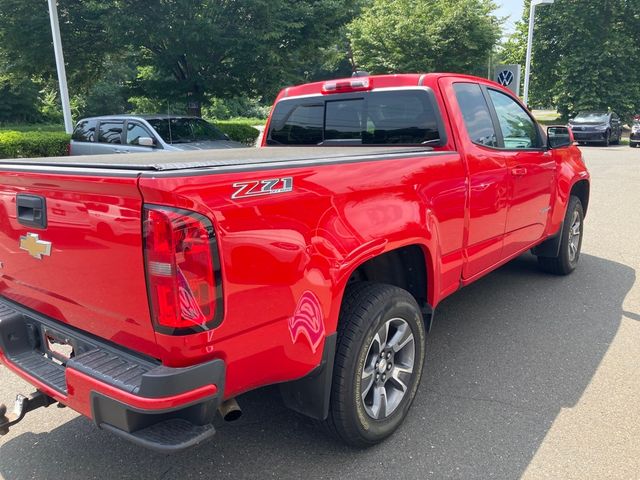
[(146, 133)]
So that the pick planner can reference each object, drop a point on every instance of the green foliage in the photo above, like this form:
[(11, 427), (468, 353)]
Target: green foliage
[(238, 131), (15, 144), (225, 49), (26, 47), (584, 55), (416, 36), (19, 99), (224, 109)]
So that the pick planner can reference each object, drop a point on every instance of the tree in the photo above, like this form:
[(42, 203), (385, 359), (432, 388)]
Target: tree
[(183, 51), (584, 55), (227, 48), (392, 36), (26, 47)]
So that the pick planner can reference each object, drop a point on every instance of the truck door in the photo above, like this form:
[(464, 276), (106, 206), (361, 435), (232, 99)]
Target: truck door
[(531, 172), (488, 175)]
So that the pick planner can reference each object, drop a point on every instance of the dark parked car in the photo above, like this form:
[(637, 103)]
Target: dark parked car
[(634, 138), (146, 133), (596, 127)]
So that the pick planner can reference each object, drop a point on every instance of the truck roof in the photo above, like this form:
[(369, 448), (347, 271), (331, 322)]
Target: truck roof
[(134, 116), (240, 158), (399, 80)]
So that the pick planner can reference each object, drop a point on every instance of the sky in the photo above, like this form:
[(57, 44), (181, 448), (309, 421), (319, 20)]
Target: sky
[(513, 10)]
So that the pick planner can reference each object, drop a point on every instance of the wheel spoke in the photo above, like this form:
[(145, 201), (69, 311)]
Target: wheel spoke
[(576, 228), (395, 377), (382, 335), (401, 339), (379, 407), (367, 382)]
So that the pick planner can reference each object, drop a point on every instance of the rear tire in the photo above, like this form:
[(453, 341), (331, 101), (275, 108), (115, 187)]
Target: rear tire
[(571, 243), (379, 361)]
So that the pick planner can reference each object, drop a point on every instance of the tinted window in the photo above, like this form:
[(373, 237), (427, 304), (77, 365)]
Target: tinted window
[(476, 114), (295, 124), (185, 130), (135, 131), (518, 130), (376, 118), (344, 120), (85, 131), (110, 132)]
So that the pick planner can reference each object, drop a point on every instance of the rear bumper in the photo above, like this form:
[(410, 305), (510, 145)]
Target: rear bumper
[(167, 409)]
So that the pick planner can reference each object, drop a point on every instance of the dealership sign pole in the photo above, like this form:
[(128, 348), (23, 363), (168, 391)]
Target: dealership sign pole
[(527, 69), (62, 74)]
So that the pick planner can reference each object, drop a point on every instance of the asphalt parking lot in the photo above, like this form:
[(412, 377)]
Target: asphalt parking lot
[(527, 375)]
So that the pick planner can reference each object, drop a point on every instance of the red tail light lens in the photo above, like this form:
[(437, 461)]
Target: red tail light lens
[(183, 272)]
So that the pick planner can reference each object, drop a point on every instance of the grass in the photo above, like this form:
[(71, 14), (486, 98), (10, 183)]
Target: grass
[(547, 117), (36, 127)]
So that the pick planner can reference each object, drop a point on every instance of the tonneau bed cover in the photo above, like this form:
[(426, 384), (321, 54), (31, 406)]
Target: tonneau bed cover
[(240, 157)]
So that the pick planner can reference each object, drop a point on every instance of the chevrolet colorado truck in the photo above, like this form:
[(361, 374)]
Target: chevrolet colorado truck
[(147, 292)]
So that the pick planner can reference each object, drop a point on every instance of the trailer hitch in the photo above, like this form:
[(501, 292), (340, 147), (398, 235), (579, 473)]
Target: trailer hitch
[(22, 406)]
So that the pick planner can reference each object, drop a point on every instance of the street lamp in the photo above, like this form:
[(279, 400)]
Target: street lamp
[(527, 70), (62, 75)]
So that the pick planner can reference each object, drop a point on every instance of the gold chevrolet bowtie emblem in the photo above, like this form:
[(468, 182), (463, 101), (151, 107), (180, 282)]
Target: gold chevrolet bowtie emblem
[(37, 248)]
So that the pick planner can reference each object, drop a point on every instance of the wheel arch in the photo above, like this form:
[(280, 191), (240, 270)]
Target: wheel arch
[(581, 189), (409, 267)]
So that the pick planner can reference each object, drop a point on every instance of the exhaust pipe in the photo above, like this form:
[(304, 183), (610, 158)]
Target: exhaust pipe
[(230, 410)]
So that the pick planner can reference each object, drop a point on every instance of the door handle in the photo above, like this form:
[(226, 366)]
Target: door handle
[(518, 171)]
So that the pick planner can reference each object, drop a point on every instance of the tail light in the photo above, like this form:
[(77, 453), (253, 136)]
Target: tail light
[(183, 270), (68, 149)]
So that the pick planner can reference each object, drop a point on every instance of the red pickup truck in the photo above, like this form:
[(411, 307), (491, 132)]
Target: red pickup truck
[(148, 291)]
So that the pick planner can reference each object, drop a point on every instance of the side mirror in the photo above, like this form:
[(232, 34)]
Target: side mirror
[(558, 137), (146, 142)]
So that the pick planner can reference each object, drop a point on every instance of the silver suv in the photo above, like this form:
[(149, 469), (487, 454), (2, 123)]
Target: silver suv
[(146, 133)]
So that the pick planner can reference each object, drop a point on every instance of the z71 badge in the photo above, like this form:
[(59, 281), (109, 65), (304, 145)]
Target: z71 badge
[(269, 186)]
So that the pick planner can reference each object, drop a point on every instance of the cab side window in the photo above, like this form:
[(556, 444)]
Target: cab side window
[(110, 132), (518, 129), (85, 131), (135, 131), (476, 114)]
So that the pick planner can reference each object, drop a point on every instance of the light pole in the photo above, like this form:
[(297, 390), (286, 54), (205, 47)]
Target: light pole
[(62, 74), (527, 69)]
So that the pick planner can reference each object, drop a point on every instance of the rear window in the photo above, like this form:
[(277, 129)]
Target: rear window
[(85, 131), (373, 118), (110, 132)]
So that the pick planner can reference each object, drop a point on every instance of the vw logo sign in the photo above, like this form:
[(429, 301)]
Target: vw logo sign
[(505, 78)]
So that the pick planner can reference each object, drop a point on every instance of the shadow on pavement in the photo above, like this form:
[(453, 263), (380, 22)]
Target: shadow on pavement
[(506, 354)]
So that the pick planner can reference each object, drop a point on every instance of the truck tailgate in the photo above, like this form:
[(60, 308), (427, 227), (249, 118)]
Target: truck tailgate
[(83, 265)]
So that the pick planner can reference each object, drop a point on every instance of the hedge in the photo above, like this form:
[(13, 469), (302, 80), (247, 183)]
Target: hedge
[(240, 132), (33, 144)]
